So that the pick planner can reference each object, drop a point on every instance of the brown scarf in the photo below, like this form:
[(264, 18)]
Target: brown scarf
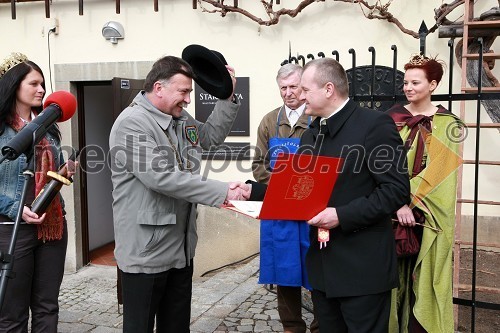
[(52, 226), (417, 124)]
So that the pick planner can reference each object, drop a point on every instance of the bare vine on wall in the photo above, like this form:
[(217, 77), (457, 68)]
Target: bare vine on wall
[(379, 9)]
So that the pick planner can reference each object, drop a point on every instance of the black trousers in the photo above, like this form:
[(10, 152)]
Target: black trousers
[(165, 296), (359, 314), (290, 310), (39, 269)]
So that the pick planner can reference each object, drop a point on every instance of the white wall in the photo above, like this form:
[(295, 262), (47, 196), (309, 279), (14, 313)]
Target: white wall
[(254, 51)]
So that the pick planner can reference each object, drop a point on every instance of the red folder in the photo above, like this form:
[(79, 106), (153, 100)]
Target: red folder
[(300, 186)]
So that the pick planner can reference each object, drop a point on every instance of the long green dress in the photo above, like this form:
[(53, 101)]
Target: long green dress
[(433, 191)]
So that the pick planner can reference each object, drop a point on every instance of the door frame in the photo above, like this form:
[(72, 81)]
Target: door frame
[(67, 77), (82, 140)]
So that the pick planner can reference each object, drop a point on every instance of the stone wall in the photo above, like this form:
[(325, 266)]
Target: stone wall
[(224, 237)]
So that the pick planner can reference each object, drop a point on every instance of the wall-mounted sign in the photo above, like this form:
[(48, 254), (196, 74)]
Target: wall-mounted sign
[(204, 104), (228, 151), (383, 85)]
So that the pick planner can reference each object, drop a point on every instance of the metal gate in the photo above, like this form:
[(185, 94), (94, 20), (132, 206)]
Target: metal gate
[(380, 87)]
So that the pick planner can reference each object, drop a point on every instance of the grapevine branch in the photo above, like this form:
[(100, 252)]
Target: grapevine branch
[(378, 10)]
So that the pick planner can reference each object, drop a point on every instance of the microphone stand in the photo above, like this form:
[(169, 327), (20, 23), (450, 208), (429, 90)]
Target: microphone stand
[(7, 259)]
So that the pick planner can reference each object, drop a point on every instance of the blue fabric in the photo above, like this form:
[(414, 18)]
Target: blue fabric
[(11, 174), (281, 145), (283, 244)]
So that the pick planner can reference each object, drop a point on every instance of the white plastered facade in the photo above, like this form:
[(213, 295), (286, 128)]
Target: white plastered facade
[(79, 52)]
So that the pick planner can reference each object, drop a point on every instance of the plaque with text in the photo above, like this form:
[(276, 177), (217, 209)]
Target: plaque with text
[(204, 105)]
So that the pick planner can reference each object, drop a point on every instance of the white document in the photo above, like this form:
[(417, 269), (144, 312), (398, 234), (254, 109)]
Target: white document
[(250, 208)]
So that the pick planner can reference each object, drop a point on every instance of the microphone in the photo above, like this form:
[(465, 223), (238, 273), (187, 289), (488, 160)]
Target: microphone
[(59, 106), (50, 190)]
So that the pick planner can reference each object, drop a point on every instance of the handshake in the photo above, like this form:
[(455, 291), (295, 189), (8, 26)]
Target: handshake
[(238, 191)]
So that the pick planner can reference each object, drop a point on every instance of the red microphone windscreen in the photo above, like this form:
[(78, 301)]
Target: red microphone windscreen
[(66, 102)]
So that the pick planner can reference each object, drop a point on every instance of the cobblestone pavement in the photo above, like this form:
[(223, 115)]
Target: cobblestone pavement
[(229, 301)]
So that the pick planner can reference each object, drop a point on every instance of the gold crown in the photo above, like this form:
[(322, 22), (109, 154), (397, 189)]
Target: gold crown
[(418, 60), (11, 61)]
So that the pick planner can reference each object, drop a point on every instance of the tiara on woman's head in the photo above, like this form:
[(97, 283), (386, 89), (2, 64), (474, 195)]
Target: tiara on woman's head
[(11, 61), (418, 60)]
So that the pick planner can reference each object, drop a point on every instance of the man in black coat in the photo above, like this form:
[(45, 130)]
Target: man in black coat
[(352, 276)]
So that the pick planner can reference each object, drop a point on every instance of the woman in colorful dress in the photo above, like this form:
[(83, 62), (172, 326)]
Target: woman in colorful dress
[(424, 301)]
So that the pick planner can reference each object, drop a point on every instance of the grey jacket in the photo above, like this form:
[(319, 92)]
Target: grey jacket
[(156, 188)]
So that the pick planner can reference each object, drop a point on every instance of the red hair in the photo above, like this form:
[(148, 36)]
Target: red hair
[(432, 67)]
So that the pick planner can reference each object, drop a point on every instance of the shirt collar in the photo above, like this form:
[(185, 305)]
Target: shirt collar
[(163, 119), (299, 110), (336, 111)]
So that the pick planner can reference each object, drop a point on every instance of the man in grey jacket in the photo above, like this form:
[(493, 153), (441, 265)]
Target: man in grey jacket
[(155, 150)]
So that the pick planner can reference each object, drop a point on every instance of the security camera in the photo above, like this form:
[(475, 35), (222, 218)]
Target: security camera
[(113, 31)]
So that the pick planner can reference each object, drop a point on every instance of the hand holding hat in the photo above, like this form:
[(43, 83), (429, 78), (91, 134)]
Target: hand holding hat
[(212, 72)]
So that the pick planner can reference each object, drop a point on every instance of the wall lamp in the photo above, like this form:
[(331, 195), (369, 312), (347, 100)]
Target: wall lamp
[(113, 31)]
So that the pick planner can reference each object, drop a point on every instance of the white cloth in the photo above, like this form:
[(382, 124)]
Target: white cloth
[(27, 121), (294, 115)]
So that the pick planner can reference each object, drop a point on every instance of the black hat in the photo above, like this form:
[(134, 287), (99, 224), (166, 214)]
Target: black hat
[(210, 70)]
